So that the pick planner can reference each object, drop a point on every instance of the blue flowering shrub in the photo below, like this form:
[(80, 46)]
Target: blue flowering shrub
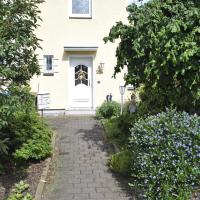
[(167, 165)]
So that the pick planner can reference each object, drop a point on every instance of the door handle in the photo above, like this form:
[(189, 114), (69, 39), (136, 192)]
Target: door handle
[(89, 82)]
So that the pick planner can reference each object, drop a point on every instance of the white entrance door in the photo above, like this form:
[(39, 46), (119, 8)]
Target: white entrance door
[(80, 82)]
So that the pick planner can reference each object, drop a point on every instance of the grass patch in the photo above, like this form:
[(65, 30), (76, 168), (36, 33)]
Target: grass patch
[(114, 134)]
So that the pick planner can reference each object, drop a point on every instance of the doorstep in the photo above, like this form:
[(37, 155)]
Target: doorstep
[(63, 112), (80, 111)]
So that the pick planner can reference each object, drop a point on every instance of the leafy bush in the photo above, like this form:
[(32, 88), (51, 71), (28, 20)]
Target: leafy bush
[(20, 192), (21, 127), (167, 146), (108, 110), (37, 147), (122, 162), (152, 100), (3, 146)]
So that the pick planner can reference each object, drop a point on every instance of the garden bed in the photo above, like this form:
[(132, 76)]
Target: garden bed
[(30, 174)]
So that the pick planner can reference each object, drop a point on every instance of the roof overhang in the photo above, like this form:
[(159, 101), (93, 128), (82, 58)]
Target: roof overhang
[(80, 48)]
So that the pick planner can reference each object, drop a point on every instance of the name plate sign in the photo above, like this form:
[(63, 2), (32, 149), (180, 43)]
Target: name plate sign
[(43, 101)]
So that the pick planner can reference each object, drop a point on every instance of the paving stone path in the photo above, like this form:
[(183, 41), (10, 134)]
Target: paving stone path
[(81, 172)]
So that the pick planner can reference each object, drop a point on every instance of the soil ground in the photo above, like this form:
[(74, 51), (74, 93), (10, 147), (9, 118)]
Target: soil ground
[(30, 174)]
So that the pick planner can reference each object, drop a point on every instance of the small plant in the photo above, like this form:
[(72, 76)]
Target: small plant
[(113, 133), (122, 162), (167, 146), (117, 130), (34, 149), (108, 110), (20, 192)]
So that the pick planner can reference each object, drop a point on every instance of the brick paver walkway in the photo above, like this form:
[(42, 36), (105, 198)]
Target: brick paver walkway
[(81, 172)]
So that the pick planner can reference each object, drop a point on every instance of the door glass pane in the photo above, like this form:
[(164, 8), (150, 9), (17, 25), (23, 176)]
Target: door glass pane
[(81, 75), (80, 6)]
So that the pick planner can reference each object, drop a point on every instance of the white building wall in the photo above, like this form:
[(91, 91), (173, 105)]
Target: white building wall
[(58, 30)]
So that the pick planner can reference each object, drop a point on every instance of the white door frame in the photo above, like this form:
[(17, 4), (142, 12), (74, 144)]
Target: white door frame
[(92, 77)]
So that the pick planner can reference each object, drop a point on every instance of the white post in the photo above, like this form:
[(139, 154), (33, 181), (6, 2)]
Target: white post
[(122, 91), (121, 104)]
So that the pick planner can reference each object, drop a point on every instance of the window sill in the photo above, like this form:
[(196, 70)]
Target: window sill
[(48, 74), (80, 17), (89, 16)]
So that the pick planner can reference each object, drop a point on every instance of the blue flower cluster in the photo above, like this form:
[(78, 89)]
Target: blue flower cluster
[(167, 165)]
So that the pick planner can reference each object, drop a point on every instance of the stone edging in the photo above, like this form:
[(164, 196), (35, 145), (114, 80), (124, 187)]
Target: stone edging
[(41, 184)]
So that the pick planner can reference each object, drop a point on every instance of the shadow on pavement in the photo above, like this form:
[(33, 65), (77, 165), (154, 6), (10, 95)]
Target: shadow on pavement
[(96, 137)]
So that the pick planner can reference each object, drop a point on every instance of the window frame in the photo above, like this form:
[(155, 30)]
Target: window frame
[(87, 16), (46, 70)]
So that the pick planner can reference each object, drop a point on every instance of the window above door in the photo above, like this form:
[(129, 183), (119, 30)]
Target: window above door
[(80, 8)]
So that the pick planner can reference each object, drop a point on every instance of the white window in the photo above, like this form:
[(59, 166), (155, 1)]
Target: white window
[(48, 63), (80, 8)]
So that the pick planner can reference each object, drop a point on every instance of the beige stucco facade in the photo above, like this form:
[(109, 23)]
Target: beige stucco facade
[(59, 32)]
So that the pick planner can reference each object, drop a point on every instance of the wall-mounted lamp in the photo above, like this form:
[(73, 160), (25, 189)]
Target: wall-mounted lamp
[(100, 68)]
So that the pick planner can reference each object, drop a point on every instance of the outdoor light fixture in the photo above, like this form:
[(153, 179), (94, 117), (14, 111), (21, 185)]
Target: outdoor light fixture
[(100, 68), (122, 91)]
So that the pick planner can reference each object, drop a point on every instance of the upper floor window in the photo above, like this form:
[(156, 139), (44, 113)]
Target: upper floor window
[(81, 8)]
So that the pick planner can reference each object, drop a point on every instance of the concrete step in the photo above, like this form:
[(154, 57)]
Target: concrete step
[(60, 112), (80, 112)]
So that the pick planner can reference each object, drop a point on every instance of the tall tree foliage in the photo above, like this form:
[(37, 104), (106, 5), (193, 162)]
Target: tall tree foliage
[(18, 63), (161, 48), (18, 20)]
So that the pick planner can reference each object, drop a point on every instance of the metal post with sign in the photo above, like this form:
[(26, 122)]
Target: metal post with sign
[(122, 91)]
